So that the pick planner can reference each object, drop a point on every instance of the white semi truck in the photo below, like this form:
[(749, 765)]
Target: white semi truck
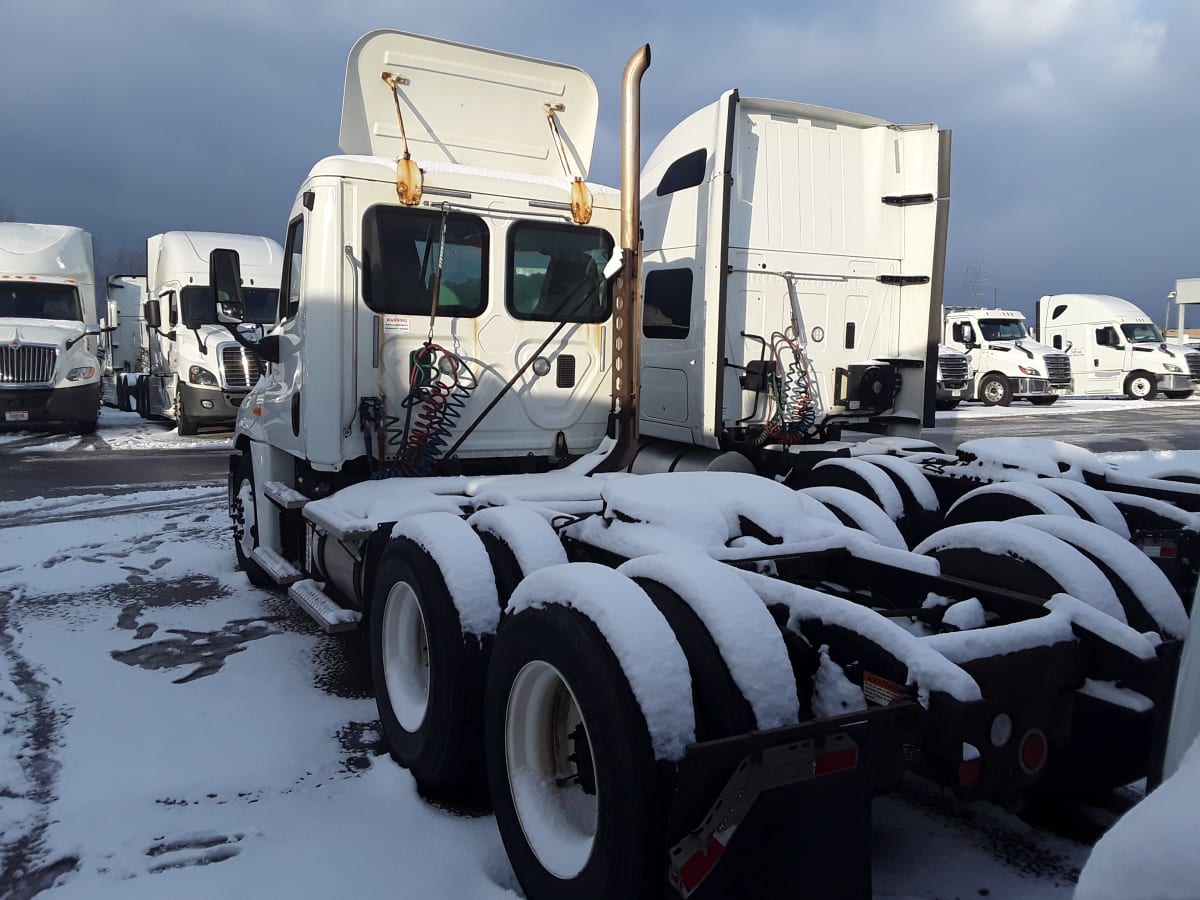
[(124, 341), (1007, 364), (1115, 348), (49, 373), (672, 675), (199, 376)]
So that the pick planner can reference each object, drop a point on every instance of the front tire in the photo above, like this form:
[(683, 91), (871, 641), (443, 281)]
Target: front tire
[(947, 405), (572, 771), (1141, 386), (186, 424), (1177, 395), (994, 390), (1044, 401), (245, 523), (428, 674)]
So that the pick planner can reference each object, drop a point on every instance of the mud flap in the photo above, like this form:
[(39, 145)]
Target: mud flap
[(759, 814)]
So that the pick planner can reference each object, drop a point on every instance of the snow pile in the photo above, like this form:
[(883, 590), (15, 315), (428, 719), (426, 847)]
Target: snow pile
[(927, 669), (883, 487), (741, 627), (913, 478), (1150, 586), (865, 514), (833, 693), (639, 636), (1094, 504), (1075, 573), (1039, 456)]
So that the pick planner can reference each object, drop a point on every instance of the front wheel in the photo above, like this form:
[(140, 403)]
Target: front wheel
[(1140, 386), (1044, 401), (244, 515), (186, 424), (994, 390)]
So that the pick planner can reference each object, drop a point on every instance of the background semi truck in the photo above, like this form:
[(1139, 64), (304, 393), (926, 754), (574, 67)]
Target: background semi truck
[(49, 373), (124, 342), (198, 376), (670, 674), (1006, 362), (1115, 348)]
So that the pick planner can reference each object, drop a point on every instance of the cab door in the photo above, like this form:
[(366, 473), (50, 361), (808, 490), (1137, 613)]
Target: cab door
[(1107, 359)]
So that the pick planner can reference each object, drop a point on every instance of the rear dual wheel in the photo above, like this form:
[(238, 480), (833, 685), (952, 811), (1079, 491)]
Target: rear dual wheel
[(572, 772)]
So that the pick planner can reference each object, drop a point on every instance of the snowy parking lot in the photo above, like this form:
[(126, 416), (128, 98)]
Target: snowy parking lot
[(167, 730)]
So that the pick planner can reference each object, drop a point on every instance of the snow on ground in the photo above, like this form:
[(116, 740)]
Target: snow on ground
[(166, 730), (119, 431), (1064, 406)]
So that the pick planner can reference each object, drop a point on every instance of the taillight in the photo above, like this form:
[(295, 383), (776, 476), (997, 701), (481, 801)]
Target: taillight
[(1032, 751)]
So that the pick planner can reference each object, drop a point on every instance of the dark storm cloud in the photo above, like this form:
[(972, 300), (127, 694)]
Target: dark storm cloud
[(1073, 121)]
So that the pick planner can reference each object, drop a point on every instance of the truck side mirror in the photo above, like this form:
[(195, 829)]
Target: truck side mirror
[(113, 320), (152, 315), (225, 278)]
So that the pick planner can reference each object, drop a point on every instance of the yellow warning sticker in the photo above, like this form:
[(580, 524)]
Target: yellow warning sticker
[(879, 690)]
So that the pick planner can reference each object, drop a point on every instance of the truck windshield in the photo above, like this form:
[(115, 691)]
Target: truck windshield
[(259, 309), (555, 272), (33, 300), (1002, 329), (1142, 333)]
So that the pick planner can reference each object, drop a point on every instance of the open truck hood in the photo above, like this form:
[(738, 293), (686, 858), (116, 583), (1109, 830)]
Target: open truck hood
[(466, 106)]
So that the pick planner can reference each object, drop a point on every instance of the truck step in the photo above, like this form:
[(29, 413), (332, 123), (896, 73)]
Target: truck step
[(283, 496), (324, 611), (338, 525), (281, 571)]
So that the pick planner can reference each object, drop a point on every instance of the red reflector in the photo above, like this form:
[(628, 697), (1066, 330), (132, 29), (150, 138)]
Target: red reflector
[(1167, 551), (692, 872), (968, 773), (1032, 752), (836, 761)]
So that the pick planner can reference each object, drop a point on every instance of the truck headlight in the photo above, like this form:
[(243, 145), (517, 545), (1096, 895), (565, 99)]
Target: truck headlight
[(81, 373), (201, 375), (1029, 370), (1171, 367)]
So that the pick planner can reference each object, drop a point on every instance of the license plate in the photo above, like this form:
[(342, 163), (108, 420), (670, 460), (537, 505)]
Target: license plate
[(1061, 392), (16, 415), (957, 393)]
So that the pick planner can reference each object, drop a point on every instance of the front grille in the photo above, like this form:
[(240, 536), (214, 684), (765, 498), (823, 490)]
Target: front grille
[(1193, 361), (953, 368), (1058, 369), (239, 367), (27, 364)]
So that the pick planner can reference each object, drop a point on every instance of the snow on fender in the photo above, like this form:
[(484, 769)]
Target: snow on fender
[(638, 636), (738, 621), (464, 565), (528, 535)]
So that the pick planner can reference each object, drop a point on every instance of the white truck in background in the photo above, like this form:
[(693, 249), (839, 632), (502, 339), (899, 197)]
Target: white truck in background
[(49, 373), (1006, 362), (953, 383), (124, 342), (1115, 348), (199, 376)]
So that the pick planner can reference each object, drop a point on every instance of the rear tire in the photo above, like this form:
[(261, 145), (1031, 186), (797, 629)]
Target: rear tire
[(994, 390), (571, 767), (428, 674), (245, 524), (1177, 395), (1141, 386)]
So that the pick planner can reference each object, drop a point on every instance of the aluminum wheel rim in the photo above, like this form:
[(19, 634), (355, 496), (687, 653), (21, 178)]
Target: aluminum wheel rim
[(559, 819), (994, 391), (405, 656)]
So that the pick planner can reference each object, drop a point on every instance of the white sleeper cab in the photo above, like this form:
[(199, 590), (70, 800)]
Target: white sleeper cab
[(49, 373), (1007, 364)]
